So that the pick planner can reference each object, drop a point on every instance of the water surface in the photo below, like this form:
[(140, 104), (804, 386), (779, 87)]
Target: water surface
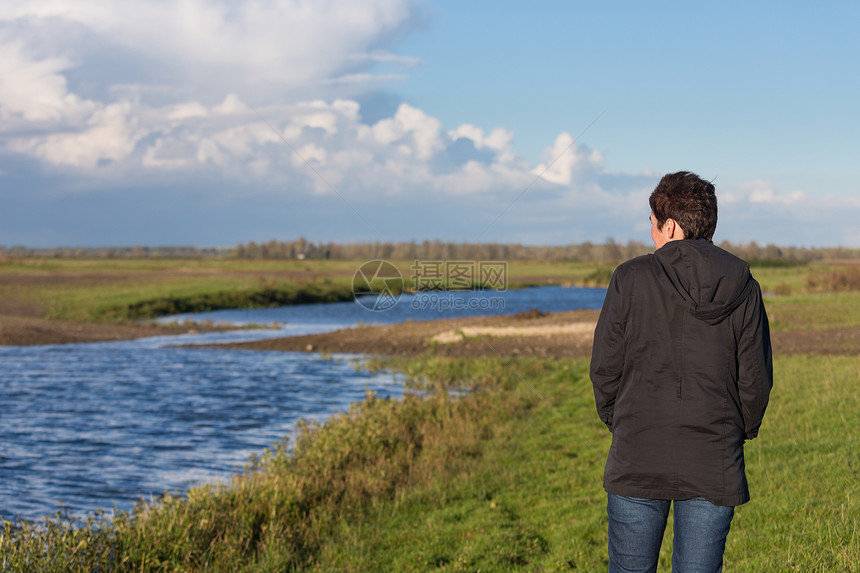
[(88, 426)]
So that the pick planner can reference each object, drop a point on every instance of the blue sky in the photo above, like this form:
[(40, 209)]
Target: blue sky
[(207, 122)]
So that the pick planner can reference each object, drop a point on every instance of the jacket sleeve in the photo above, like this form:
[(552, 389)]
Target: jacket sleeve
[(607, 353), (755, 364)]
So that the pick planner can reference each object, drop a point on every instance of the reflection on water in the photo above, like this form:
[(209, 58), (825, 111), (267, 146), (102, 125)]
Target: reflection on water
[(101, 425)]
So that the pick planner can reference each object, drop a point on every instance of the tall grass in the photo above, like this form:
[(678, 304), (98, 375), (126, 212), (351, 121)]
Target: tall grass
[(836, 280)]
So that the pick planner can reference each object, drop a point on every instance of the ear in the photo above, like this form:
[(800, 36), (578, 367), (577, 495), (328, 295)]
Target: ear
[(672, 230)]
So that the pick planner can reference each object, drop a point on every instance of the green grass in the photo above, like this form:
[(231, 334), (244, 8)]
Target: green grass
[(534, 501), (809, 298), (504, 478), (531, 500), (814, 310), (132, 289), (804, 473), (111, 290), (260, 296)]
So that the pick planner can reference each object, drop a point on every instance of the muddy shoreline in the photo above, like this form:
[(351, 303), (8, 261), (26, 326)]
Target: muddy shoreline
[(525, 334), (551, 336), (554, 335), (30, 331)]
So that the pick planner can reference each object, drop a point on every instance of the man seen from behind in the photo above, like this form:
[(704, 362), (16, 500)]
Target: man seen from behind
[(682, 371)]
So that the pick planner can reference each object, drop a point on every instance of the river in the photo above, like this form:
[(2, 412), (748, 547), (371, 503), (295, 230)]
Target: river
[(102, 425)]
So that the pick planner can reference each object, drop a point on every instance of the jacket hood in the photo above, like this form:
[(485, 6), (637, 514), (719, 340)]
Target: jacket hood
[(708, 281)]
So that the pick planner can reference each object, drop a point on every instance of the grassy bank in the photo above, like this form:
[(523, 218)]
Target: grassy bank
[(501, 479), (263, 295), (117, 290), (109, 290), (106, 290)]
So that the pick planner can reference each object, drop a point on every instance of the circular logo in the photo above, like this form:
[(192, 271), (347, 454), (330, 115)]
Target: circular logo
[(377, 285)]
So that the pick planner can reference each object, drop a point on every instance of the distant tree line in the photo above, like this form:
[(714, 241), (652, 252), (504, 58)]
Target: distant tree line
[(607, 252), (136, 252), (439, 250)]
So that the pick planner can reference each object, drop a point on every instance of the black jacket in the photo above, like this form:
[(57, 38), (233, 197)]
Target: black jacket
[(682, 371)]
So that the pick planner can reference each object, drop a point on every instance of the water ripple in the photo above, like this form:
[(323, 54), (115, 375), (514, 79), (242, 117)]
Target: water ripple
[(93, 426)]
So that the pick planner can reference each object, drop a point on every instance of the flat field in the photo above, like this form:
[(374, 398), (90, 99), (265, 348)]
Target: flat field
[(504, 473), (46, 301)]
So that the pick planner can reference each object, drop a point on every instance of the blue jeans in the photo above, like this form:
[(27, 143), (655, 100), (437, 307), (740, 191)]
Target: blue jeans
[(636, 529)]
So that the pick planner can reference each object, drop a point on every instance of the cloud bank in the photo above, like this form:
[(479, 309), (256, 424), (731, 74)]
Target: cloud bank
[(258, 102)]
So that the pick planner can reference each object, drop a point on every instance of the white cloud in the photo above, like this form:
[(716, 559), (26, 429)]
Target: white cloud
[(499, 138), (363, 78), (401, 154), (110, 134), (309, 153), (761, 191), (759, 210), (288, 43), (387, 57), (35, 89), (231, 104), (187, 110), (325, 120), (184, 55), (412, 124), (566, 161), (140, 126)]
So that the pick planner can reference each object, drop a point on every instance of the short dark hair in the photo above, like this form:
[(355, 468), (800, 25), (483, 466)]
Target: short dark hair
[(689, 200)]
